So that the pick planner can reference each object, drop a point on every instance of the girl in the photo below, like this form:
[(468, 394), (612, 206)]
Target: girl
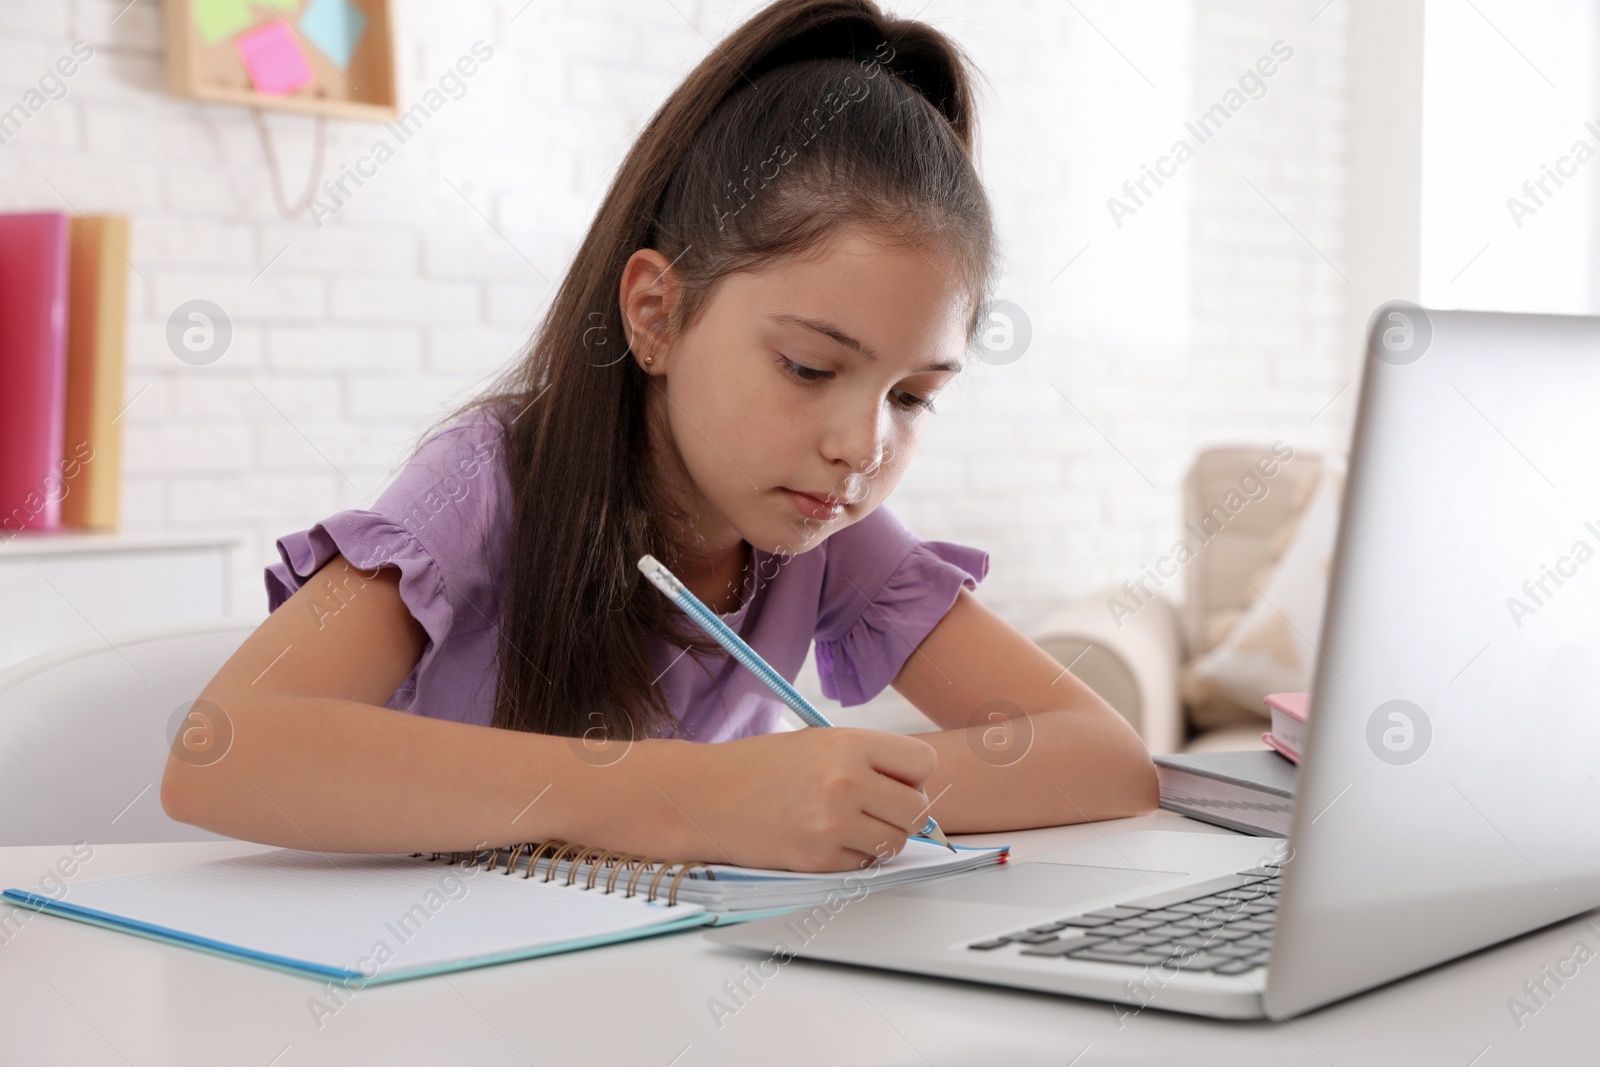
[(787, 270)]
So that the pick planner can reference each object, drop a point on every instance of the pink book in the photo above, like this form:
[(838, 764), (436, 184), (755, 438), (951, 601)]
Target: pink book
[(33, 369), (1288, 733)]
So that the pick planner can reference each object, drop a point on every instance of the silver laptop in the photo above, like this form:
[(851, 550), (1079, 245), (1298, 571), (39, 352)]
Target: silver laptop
[(1449, 796)]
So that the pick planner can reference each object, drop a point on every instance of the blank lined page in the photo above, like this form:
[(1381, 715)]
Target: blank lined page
[(350, 911)]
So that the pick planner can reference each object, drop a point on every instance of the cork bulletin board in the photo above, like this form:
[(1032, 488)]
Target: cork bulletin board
[(328, 57)]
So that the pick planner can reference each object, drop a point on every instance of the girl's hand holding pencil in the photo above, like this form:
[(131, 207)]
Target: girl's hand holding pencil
[(848, 785), (807, 800)]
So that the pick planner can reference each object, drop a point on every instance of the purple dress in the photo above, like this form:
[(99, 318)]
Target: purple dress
[(867, 595)]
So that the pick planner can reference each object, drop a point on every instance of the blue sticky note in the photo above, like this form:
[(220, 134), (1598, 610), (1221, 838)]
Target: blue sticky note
[(335, 27)]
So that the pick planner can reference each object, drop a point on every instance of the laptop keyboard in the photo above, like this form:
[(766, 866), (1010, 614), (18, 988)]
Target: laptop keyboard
[(1223, 926)]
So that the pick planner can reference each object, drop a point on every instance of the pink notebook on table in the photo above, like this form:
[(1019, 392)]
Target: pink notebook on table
[(1288, 733), (33, 369)]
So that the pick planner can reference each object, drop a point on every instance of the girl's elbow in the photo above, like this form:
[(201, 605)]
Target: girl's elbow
[(1144, 787), (197, 795), (175, 798)]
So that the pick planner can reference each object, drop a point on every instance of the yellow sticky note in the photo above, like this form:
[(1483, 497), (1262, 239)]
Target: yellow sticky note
[(216, 19)]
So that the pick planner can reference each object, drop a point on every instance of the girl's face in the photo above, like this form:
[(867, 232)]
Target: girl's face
[(812, 376)]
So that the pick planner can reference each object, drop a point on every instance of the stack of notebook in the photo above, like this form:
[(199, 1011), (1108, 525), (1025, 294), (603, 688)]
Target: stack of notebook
[(370, 919), (1251, 791), (63, 321)]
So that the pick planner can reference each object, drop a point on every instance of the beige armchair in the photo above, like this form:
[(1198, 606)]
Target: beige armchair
[(1138, 650)]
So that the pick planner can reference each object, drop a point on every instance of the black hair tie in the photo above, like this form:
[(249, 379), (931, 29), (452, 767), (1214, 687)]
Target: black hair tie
[(863, 54)]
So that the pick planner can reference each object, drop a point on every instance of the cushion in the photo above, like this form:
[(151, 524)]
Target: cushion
[(1272, 645)]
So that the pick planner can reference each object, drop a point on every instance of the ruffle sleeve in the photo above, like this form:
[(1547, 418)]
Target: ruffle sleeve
[(861, 648), (434, 523), (368, 540)]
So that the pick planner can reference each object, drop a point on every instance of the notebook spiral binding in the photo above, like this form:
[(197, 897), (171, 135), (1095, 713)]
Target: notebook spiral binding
[(578, 857)]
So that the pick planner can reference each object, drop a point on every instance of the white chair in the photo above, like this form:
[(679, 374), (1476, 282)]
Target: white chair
[(84, 734)]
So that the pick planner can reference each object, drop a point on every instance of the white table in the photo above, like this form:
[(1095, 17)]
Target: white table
[(74, 993)]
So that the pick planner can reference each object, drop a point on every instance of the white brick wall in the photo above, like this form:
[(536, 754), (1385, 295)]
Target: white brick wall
[(1205, 317)]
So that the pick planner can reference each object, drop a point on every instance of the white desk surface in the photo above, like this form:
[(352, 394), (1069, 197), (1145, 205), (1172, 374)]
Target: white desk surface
[(78, 994)]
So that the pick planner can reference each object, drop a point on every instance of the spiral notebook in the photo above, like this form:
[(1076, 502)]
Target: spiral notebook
[(364, 919)]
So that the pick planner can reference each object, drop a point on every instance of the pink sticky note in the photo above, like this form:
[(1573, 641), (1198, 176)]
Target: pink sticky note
[(273, 58)]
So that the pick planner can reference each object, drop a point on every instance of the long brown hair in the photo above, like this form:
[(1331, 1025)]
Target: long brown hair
[(813, 115)]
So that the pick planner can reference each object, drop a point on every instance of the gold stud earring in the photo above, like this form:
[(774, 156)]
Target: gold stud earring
[(649, 360)]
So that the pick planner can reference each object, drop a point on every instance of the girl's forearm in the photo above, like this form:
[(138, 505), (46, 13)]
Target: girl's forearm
[(341, 776), (1064, 766), (335, 775)]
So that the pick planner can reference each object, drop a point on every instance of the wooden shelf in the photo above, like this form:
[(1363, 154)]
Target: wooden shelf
[(215, 73)]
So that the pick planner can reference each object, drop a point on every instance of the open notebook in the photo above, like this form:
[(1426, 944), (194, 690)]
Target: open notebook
[(369, 919)]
